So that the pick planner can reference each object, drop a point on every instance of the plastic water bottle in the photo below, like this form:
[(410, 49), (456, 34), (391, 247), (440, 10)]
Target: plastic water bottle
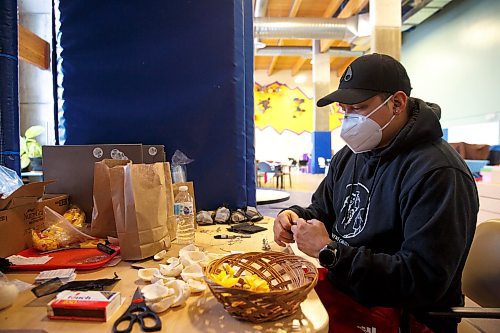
[(183, 209)]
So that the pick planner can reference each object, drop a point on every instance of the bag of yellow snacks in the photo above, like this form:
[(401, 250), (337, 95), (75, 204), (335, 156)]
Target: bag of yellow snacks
[(60, 233)]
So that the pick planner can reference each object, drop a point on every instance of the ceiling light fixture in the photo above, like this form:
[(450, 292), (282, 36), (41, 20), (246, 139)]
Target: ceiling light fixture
[(259, 45), (300, 79)]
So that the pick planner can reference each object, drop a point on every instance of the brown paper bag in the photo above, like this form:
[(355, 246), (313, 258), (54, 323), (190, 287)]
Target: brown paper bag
[(139, 195), (103, 217), (171, 221)]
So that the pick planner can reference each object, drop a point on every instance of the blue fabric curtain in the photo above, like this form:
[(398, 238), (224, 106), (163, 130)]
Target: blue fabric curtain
[(177, 73), (9, 99)]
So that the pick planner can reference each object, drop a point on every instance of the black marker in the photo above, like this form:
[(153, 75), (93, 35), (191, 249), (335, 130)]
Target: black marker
[(105, 249), (231, 236)]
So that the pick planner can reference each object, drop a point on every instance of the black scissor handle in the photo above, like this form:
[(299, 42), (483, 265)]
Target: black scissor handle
[(149, 314), (125, 317)]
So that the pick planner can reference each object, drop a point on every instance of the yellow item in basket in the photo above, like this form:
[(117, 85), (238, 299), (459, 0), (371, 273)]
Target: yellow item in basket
[(252, 282), (255, 283), (225, 279), (75, 215)]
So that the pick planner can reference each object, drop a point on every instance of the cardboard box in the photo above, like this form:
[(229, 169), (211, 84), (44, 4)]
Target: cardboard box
[(24, 211), (84, 305), (26, 194)]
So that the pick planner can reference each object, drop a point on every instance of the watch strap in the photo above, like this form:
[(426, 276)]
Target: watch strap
[(333, 248)]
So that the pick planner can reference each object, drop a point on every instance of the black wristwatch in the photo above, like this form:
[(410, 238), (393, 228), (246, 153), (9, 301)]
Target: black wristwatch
[(328, 255)]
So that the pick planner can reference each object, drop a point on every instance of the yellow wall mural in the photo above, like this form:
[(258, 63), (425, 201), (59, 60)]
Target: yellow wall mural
[(280, 107)]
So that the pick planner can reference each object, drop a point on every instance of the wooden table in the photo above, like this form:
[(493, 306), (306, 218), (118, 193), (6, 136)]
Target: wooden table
[(201, 313)]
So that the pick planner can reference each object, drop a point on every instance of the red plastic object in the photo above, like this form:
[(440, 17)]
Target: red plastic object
[(79, 259)]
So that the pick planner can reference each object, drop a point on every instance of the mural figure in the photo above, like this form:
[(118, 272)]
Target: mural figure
[(290, 109), (264, 105), (298, 108)]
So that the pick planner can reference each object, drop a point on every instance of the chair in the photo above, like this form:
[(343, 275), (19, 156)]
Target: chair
[(258, 175), (263, 168), (292, 162), (481, 277), (471, 151), (481, 282), (323, 164), (280, 172), (303, 166)]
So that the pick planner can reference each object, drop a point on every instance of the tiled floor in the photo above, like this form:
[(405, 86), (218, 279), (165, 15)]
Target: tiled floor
[(303, 185)]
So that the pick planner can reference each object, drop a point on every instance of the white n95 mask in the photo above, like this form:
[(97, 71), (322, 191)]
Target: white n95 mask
[(361, 133)]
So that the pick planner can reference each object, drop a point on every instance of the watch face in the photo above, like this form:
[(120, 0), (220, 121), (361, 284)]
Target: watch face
[(326, 257)]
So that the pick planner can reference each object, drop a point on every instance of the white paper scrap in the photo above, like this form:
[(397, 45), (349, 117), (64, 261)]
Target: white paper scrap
[(21, 260), (66, 275)]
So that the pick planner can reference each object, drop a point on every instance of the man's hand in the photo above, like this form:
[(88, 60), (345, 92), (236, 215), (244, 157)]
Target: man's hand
[(282, 227), (311, 236)]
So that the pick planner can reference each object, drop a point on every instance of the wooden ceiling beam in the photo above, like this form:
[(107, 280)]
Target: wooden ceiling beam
[(332, 7), (298, 65), (33, 49), (341, 69), (293, 12), (295, 8), (274, 60), (352, 8), (339, 64)]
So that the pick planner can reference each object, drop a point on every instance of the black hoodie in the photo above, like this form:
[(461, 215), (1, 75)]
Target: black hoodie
[(404, 217)]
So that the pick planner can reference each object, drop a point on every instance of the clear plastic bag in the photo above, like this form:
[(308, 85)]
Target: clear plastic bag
[(9, 181), (8, 292), (179, 172), (58, 234)]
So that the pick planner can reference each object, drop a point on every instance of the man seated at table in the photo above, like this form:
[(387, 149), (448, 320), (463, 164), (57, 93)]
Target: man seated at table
[(394, 219)]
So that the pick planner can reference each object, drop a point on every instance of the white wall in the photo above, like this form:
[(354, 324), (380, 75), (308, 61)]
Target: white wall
[(453, 59), (36, 103)]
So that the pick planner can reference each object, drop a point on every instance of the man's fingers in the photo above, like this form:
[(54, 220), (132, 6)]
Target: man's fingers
[(285, 224), (281, 240), (286, 236), (280, 243), (282, 227)]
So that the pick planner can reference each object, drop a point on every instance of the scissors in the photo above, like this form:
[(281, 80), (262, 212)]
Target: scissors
[(137, 312)]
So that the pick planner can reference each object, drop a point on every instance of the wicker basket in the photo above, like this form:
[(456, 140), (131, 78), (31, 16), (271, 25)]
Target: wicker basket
[(290, 279)]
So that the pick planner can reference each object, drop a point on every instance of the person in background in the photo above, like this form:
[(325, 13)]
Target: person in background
[(394, 219)]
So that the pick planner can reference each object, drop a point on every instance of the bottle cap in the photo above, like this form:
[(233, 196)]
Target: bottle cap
[(183, 188)]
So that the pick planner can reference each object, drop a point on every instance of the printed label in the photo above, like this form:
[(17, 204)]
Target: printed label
[(187, 208), (177, 208), (97, 152), (33, 214), (152, 151)]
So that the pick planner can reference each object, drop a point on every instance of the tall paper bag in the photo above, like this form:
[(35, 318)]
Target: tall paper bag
[(171, 221), (139, 196), (103, 217)]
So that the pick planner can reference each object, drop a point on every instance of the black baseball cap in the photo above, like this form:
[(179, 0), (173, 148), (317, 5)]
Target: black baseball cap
[(367, 76)]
